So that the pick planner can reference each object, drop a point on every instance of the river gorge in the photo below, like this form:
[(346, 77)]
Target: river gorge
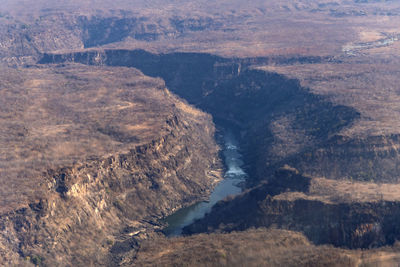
[(284, 131), (231, 185)]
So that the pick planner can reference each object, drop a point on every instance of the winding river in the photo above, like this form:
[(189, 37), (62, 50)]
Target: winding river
[(234, 175)]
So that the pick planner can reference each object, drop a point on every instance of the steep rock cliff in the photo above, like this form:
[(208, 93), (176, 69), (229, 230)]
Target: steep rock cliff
[(280, 122), (147, 155), (319, 208)]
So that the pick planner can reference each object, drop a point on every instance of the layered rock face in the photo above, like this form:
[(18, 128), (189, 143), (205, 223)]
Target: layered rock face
[(106, 163), (280, 121), (344, 214)]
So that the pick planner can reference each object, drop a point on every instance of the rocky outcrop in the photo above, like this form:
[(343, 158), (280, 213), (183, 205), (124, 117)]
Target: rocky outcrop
[(286, 202), (279, 121), (369, 158), (95, 209), (24, 38), (253, 247)]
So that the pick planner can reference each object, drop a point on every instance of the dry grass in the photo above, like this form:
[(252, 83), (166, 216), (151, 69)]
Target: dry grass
[(54, 117), (256, 247), (256, 28), (370, 86), (355, 191), (339, 191)]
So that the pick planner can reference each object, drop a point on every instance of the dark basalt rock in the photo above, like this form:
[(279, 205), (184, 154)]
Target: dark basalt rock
[(352, 224)]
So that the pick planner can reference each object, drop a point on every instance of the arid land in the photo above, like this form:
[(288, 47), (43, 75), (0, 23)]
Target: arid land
[(109, 112)]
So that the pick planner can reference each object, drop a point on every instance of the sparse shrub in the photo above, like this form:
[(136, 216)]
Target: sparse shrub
[(109, 242), (36, 259)]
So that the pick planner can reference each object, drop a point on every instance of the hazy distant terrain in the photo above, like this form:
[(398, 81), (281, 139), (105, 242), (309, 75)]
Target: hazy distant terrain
[(233, 28)]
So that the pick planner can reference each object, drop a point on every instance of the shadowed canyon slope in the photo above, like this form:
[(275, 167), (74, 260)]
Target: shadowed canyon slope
[(353, 215), (281, 121), (100, 139), (92, 157)]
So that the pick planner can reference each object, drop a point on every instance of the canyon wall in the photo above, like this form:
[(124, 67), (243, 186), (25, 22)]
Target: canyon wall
[(96, 208), (280, 122)]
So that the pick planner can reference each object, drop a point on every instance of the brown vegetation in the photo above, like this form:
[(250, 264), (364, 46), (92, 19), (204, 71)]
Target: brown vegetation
[(233, 28), (51, 118), (91, 156), (91, 159), (256, 247)]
